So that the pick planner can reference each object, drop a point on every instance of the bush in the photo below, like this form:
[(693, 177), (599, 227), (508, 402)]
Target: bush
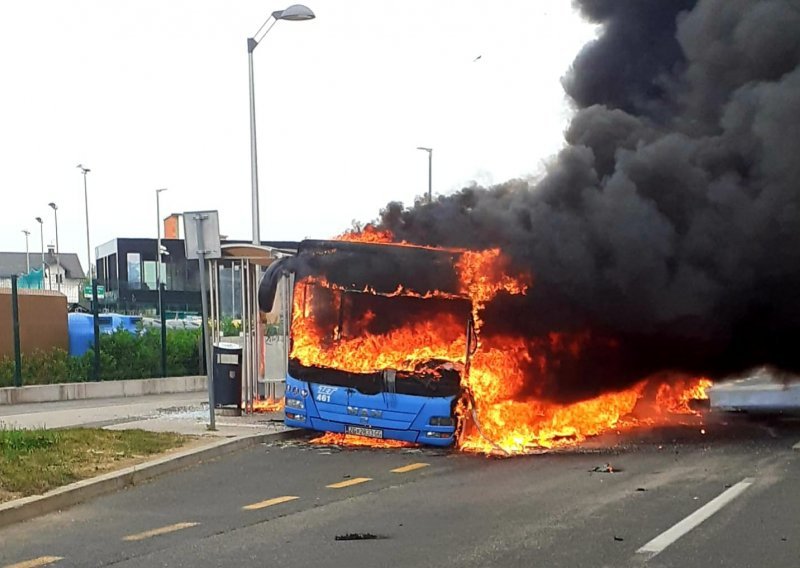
[(123, 355), (230, 327)]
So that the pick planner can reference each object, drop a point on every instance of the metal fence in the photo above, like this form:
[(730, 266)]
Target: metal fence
[(41, 342), (39, 328), (10, 304)]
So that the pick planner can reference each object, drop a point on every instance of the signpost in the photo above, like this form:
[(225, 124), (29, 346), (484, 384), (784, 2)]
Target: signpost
[(95, 292), (201, 230), (101, 292)]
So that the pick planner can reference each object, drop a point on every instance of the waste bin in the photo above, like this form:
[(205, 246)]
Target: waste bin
[(227, 374)]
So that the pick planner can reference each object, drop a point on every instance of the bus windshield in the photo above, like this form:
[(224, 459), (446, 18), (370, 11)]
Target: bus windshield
[(376, 343)]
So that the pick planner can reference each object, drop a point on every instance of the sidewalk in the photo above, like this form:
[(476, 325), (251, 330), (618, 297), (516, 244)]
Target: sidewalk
[(184, 413)]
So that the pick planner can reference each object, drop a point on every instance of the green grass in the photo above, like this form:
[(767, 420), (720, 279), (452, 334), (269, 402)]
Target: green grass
[(35, 461)]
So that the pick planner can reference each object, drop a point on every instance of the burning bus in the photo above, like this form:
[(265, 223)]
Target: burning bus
[(388, 343), (375, 351)]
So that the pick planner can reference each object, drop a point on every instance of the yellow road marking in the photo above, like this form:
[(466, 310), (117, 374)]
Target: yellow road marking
[(158, 532), (270, 502), (349, 482), (41, 561), (410, 467)]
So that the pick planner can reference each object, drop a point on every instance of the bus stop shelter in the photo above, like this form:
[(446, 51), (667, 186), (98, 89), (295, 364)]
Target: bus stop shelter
[(262, 336)]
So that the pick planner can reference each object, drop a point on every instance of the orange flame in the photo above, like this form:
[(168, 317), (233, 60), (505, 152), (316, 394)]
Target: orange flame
[(334, 439), (676, 396), (482, 275), (369, 234), (268, 405)]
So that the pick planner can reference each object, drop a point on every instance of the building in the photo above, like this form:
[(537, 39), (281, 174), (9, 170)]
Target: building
[(127, 269), (62, 272)]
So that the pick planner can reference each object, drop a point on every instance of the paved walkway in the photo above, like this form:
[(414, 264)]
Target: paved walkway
[(185, 413)]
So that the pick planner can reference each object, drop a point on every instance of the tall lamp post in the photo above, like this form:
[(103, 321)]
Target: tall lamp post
[(27, 254), (159, 287), (294, 13), (54, 207), (430, 171), (41, 236), (84, 171)]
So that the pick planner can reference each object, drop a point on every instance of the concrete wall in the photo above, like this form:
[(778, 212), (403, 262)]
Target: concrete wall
[(103, 389), (42, 321)]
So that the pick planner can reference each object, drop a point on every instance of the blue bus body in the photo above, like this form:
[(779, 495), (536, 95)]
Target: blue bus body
[(392, 416)]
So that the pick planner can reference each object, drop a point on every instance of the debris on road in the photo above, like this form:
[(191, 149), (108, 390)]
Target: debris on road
[(641, 489), (358, 536), (618, 538), (605, 468)]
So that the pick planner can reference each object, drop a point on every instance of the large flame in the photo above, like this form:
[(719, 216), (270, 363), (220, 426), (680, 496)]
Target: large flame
[(494, 415), (402, 348)]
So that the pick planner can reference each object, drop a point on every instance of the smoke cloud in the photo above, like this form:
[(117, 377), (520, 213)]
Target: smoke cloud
[(668, 228)]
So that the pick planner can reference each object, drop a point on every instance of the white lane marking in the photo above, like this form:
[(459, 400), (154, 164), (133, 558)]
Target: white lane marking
[(672, 534), (796, 446)]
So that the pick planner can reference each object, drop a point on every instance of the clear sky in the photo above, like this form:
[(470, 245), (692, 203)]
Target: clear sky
[(154, 93)]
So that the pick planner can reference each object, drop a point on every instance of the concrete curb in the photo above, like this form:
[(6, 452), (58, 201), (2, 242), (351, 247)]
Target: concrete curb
[(80, 491), (101, 389)]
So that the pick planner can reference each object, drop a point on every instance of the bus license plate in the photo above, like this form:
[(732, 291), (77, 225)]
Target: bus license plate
[(368, 432)]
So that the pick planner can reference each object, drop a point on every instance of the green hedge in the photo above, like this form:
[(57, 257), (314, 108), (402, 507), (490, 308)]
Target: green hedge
[(123, 355)]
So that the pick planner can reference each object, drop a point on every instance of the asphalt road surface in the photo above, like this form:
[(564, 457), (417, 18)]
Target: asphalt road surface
[(677, 498)]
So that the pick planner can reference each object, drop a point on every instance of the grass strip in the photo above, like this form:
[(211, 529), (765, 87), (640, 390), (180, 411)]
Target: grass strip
[(36, 461)]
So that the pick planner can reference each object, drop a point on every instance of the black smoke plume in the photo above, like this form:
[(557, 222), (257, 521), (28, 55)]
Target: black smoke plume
[(668, 228)]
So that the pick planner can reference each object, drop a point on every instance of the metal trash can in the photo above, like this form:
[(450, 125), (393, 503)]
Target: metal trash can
[(227, 374)]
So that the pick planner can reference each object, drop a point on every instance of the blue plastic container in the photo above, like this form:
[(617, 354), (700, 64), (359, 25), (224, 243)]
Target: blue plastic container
[(81, 329)]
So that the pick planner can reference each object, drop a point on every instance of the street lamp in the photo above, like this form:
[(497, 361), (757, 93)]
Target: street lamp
[(27, 254), (158, 245), (54, 207), (158, 286), (430, 171), (294, 13), (85, 171), (41, 236)]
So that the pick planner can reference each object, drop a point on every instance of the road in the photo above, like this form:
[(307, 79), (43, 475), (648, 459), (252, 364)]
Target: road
[(284, 504)]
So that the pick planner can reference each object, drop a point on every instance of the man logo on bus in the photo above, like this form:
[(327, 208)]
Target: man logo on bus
[(364, 412)]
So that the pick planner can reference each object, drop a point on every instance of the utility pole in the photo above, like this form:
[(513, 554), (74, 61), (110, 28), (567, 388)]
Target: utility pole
[(27, 254), (85, 171), (58, 257), (159, 286), (430, 171), (41, 236)]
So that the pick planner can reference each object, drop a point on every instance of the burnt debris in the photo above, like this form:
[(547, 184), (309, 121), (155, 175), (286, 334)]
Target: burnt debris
[(359, 536)]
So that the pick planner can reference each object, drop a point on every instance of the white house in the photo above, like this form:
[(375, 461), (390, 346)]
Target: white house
[(65, 275)]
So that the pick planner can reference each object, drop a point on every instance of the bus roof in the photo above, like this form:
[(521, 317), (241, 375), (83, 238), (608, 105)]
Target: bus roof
[(380, 268)]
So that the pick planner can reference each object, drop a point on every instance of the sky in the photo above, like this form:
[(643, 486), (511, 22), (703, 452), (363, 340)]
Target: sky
[(154, 94)]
